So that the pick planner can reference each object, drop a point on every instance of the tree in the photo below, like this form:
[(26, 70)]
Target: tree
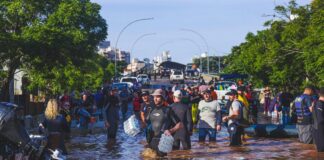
[(313, 50), (90, 75), (47, 35), (288, 54)]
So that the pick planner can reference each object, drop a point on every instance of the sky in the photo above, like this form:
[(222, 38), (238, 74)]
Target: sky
[(186, 28)]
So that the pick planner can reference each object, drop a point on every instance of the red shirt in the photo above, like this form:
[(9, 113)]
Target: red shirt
[(137, 104)]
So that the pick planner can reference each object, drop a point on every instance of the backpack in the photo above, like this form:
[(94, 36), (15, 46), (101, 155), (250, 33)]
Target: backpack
[(243, 118)]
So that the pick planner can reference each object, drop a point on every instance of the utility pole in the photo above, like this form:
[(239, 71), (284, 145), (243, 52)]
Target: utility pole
[(219, 64)]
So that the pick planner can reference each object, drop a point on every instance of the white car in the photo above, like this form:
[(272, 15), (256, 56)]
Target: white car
[(130, 80), (177, 76), (144, 79)]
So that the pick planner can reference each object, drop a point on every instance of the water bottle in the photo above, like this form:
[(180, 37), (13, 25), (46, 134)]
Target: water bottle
[(131, 126), (166, 143)]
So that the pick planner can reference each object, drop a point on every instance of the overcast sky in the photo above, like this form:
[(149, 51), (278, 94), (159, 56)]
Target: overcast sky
[(222, 23)]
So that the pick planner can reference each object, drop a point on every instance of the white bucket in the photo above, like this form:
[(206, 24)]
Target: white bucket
[(166, 143), (131, 126)]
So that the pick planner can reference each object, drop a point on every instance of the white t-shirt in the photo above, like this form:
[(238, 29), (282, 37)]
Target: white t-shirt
[(234, 107), (207, 113)]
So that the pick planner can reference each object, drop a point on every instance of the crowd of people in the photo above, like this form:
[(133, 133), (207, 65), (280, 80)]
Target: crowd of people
[(177, 111)]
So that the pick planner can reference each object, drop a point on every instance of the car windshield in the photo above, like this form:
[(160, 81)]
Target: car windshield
[(177, 73), (224, 85), (132, 80)]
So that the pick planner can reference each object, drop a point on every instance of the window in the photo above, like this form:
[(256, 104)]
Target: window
[(177, 73)]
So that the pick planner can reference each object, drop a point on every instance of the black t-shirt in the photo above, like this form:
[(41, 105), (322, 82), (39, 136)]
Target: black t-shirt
[(319, 115), (184, 114), (58, 124), (112, 111), (162, 118)]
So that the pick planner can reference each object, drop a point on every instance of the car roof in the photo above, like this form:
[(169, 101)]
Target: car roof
[(129, 77)]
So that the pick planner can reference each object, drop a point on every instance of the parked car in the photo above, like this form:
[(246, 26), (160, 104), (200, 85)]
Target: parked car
[(192, 74), (144, 79), (132, 81), (177, 76)]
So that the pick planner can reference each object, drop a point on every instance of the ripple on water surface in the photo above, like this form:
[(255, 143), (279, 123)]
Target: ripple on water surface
[(126, 147)]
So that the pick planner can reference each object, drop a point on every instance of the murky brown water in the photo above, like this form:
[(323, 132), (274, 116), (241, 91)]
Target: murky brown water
[(96, 147)]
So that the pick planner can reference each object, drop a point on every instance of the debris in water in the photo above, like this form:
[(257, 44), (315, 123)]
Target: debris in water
[(149, 153)]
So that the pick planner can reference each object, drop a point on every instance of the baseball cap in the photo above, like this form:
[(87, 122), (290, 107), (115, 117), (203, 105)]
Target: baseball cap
[(231, 93), (145, 93), (177, 94)]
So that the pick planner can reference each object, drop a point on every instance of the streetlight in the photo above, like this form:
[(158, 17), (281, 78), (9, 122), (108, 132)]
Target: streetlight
[(193, 42), (139, 38), (130, 23), (204, 39), (135, 42)]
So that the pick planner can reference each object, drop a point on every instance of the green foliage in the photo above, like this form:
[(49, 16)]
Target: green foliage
[(90, 75), (51, 36), (288, 54)]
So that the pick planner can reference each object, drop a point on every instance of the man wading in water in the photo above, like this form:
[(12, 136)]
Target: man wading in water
[(146, 108), (184, 113), (162, 119)]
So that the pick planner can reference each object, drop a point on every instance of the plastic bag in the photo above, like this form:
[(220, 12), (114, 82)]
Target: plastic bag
[(166, 143), (131, 126)]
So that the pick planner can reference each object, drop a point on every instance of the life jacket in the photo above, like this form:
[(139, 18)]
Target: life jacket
[(301, 109)]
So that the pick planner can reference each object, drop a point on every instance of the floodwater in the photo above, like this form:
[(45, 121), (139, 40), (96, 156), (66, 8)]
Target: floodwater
[(125, 147), (96, 146)]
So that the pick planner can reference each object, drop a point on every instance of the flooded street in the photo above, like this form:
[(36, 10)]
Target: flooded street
[(95, 146)]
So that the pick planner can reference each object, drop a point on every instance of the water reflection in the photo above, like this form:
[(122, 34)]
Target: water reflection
[(95, 146), (125, 147)]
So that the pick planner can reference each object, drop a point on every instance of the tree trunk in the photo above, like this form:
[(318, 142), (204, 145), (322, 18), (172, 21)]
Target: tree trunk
[(5, 96), (5, 90)]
